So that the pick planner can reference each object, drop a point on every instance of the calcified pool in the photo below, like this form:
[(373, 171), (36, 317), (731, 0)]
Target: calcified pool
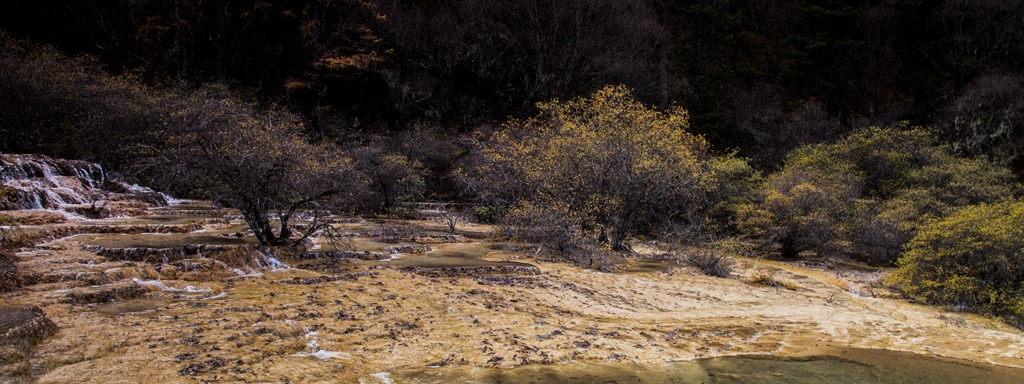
[(841, 366), (426, 314)]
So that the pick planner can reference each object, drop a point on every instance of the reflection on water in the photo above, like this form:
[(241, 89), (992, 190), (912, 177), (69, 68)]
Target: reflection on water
[(153, 219), (455, 255), (161, 240), (568, 373), (858, 366), (845, 366)]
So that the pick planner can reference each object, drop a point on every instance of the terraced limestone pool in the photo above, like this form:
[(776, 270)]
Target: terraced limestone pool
[(842, 366)]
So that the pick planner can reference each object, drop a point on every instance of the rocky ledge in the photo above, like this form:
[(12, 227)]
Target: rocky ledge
[(470, 271), (9, 277), (21, 328)]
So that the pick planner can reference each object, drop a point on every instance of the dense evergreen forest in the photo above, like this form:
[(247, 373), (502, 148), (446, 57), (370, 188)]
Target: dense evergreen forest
[(846, 127), (757, 76)]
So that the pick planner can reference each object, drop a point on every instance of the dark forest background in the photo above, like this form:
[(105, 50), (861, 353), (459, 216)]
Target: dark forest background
[(883, 131), (759, 77)]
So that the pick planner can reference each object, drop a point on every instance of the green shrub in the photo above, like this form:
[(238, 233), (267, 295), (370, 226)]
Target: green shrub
[(971, 260), (733, 186), (487, 214), (866, 195), (806, 206)]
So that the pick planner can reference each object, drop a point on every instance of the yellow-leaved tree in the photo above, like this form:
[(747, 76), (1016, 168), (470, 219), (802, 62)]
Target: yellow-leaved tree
[(593, 171), (971, 260)]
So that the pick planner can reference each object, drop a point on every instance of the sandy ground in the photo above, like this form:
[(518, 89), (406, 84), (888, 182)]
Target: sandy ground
[(361, 320)]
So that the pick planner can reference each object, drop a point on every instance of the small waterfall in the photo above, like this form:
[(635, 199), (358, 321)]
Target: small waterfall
[(41, 182), (274, 263), (379, 377), (314, 349), (263, 259), (159, 285)]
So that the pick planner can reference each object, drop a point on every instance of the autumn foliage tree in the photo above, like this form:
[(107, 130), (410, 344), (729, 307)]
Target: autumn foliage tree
[(69, 107), (971, 260), (601, 168), (867, 194), (255, 161)]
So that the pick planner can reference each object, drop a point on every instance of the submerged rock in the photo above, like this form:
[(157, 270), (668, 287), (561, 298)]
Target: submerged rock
[(327, 279), (470, 271), (409, 249), (333, 255)]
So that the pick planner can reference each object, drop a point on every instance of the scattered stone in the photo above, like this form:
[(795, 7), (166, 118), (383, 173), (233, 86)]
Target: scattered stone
[(195, 369), (437, 272), (512, 281), (327, 279), (342, 255), (407, 249)]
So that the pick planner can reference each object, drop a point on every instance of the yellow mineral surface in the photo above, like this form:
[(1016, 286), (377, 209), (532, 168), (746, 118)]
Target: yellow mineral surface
[(192, 318)]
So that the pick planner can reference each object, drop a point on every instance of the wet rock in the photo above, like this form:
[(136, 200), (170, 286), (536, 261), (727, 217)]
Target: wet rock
[(28, 240), (327, 279), (337, 255), (41, 182), (512, 281), (21, 328), (33, 217), (190, 257), (10, 279), (104, 295), (195, 369), (469, 271), (201, 269), (407, 249), (92, 278)]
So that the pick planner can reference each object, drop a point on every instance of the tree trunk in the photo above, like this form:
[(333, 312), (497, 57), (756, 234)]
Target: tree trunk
[(789, 248)]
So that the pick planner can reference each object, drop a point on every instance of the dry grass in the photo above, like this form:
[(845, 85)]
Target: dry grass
[(767, 277)]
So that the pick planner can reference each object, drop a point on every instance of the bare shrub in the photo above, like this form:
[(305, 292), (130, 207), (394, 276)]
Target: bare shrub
[(767, 277), (450, 216), (709, 263)]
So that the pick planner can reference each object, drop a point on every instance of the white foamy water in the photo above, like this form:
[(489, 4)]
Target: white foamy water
[(41, 182), (217, 296), (271, 262), (250, 273), (379, 377), (314, 349), (43, 185), (163, 287)]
